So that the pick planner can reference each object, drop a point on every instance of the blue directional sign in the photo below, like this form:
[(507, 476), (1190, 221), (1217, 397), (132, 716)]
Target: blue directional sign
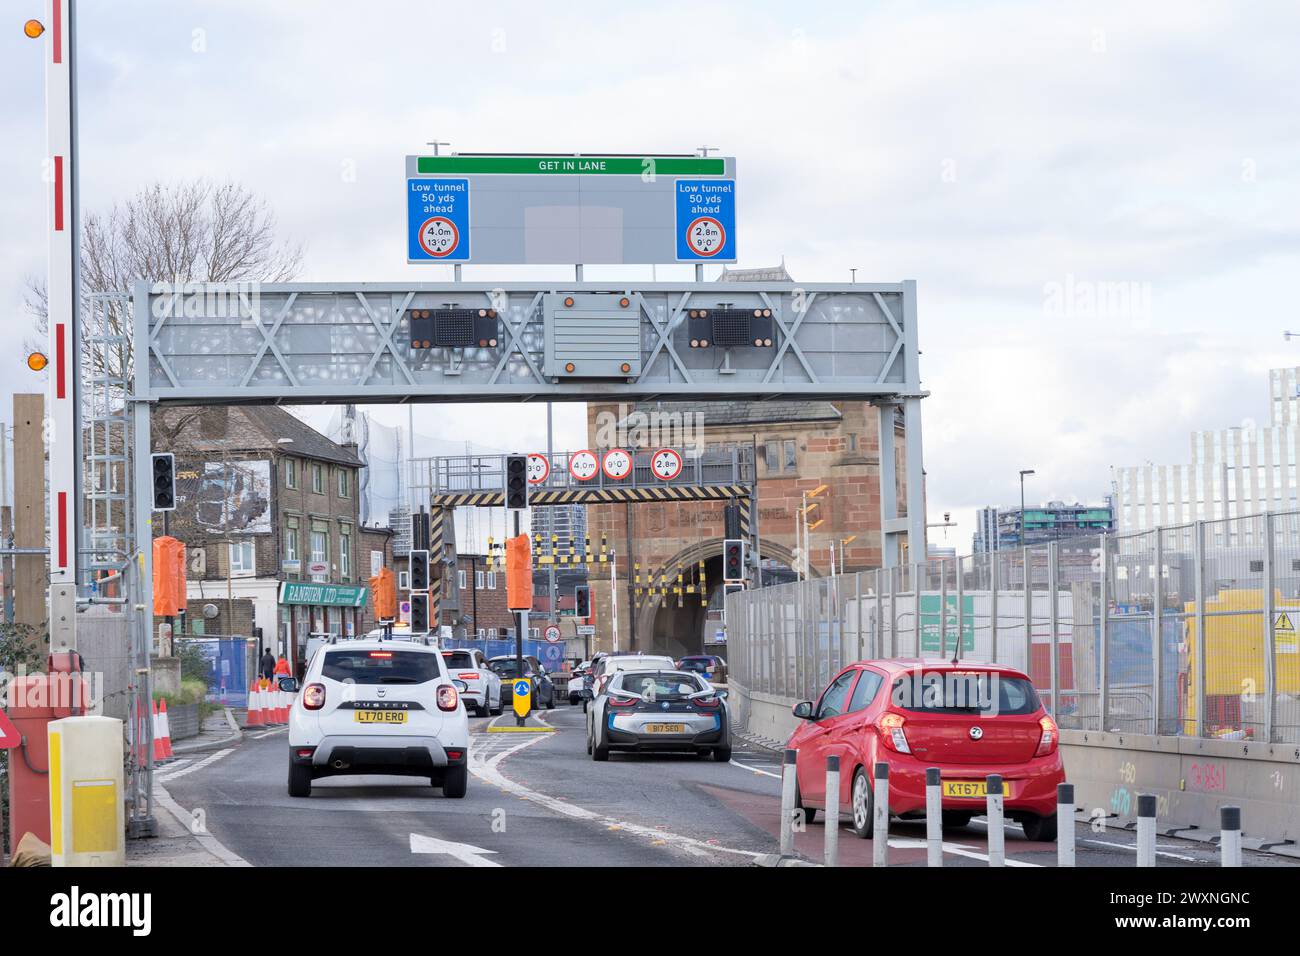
[(437, 220), (705, 220), (522, 687)]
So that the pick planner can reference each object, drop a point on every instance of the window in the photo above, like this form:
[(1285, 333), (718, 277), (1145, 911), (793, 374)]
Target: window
[(291, 541), (836, 696), (318, 479), (460, 580), (492, 581), (481, 633), (290, 473), (403, 580), (381, 667), (791, 461), (779, 456), (345, 553), (479, 578), (320, 546), (865, 692), (343, 482), (241, 558)]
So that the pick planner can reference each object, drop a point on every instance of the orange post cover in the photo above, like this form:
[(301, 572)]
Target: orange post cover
[(383, 595), (519, 573), (168, 576)]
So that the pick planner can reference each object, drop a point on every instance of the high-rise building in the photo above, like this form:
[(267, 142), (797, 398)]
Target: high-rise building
[(1234, 471), (567, 523), (998, 529)]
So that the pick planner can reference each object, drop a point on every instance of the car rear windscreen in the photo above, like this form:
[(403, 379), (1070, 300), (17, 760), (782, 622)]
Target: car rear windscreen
[(458, 658), (964, 692), (508, 667), (659, 686), (380, 667)]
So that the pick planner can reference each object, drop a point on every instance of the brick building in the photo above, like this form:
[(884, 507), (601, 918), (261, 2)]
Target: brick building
[(797, 447), (269, 513)]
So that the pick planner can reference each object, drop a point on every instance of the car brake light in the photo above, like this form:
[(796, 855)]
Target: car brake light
[(1047, 742), (455, 754), (468, 675), (623, 701), (313, 696), (381, 653), (448, 698), (707, 701), (890, 726), (305, 751)]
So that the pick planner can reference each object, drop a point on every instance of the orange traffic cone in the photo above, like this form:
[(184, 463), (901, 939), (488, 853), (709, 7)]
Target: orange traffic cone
[(284, 706), (158, 753), (254, 707), (165, 730)]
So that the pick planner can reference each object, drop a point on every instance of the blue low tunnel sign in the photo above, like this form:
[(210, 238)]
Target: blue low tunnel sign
[(437, 220), (706, 219)]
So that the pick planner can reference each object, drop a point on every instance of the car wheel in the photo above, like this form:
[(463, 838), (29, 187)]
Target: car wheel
[(721, 754), (809, 813), (299, 780), (1040, 828), (496, 711), (483, 711), (598, 750), (863, 802), (455, 782)]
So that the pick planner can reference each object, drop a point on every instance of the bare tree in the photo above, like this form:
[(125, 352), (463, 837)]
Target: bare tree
[(193, 231)]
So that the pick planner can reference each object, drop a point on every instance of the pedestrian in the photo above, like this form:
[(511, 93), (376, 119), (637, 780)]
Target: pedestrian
[(282, 668), (268, 665)]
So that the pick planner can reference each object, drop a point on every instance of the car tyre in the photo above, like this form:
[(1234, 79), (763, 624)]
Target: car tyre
[(599, 751), (862, 803), (809, 813), (299, 780), (956, 819), (484, 710), (496, 711), (1040, 828), (722, 754), (455, 782)]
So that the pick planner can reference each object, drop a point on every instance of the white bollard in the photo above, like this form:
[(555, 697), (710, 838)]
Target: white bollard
[(1230, 841), (933, 817), (1065, 824), (831, 854), (788, 784), (880, 817), (996, 824), (1146, 830)]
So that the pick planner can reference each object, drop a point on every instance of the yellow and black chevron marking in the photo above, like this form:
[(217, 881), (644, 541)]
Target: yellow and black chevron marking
[(437, 527), (570, 496)]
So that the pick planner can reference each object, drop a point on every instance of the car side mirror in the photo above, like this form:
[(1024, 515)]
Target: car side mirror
[(722, 695), (288, 685), (803, 710), (459, 684)]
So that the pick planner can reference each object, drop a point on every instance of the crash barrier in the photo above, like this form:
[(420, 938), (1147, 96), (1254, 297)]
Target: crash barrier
[(1187, 630)]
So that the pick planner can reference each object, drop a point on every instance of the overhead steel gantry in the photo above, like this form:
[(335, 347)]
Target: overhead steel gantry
[(304, 343)]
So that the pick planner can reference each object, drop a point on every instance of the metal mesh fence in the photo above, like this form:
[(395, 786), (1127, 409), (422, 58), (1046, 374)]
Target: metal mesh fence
[(1186, 630)]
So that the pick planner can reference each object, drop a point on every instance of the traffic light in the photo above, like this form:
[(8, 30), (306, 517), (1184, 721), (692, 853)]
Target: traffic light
[(164, 481), (516, 482), (419, 564), (582, 601), (731, 521), (419, 612), (733, 560)]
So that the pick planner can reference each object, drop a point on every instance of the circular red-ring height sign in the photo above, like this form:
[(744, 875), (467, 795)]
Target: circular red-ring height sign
[(539, 468), (707, 244), (439, 244), (617, 464), (666, 464), (583, 465)]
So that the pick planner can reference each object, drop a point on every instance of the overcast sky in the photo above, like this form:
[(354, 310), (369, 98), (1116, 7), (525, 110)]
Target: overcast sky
[(1014, 158)]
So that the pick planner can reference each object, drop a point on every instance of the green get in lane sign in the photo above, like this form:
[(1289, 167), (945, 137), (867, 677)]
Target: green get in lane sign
[(573, 165)]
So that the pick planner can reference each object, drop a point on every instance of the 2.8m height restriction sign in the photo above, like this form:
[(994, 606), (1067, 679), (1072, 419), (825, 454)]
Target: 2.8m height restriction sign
[(706, 220)]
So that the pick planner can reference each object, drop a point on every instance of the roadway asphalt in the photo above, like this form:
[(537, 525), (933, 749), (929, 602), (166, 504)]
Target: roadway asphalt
[(539, 800)]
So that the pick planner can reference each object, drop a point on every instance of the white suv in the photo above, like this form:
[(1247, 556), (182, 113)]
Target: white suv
[(378, 707), (482, 683)]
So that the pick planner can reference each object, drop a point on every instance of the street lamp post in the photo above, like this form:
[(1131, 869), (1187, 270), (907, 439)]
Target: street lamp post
[(1023, 473)]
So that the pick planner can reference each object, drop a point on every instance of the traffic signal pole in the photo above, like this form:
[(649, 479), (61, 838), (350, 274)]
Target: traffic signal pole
[(520, 618)]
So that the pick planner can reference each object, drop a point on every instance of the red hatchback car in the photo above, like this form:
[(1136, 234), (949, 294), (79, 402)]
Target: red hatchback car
[(969, 720)]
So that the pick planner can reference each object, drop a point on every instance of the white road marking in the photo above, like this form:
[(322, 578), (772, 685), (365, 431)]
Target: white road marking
[(186, 820), (486, 770), (165, 777), (956, 849), (1133, 847), (468, 854), (766, 773), (270, 733)]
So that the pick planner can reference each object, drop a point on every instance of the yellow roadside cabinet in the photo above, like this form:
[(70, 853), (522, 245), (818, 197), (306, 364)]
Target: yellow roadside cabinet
[(87, 815)]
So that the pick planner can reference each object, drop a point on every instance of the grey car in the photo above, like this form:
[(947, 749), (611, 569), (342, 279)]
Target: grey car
[(642, 711)]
